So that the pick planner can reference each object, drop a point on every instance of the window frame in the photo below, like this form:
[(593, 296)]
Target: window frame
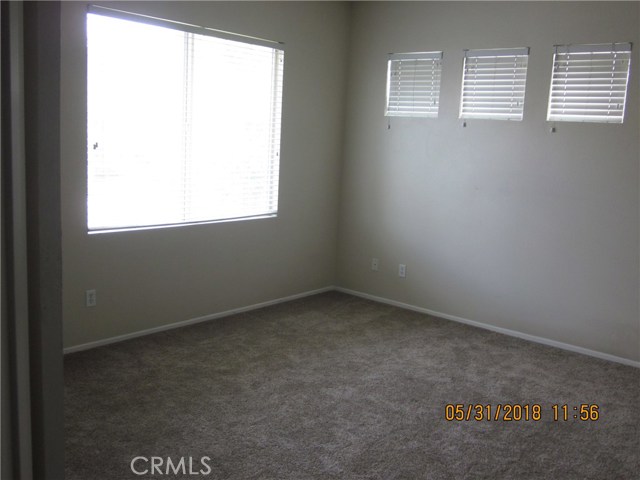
[(469, 101), (555, 83), (434, 64), (277, 96)]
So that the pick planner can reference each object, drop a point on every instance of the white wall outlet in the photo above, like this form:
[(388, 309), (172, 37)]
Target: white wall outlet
[(375, 263), (91, 298), (402, 270)]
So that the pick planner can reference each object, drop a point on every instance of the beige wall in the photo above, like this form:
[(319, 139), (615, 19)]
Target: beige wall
[(502, 223), (150, 278)]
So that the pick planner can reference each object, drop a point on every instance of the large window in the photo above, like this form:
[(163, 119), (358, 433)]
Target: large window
[(413, 84), (183, 125), (493, 83), (589, 83)]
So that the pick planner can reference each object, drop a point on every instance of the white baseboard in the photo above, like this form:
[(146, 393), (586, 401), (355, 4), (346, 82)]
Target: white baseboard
[(213, 316), (192, 321), (505, 331)]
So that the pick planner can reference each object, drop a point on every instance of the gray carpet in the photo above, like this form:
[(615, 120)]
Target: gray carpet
[(337, 387)]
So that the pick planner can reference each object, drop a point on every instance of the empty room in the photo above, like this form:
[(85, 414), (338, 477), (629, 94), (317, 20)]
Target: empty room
[(341, 240)]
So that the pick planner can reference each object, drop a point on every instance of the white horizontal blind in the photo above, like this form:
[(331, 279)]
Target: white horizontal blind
[(182, 127), (413, 84), (589, 83), (493, 83)]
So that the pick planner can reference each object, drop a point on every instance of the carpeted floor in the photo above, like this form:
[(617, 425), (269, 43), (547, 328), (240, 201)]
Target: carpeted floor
[(337, 387)]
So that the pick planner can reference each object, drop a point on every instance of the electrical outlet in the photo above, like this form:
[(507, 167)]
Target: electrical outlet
[(402, 270), (375, 264), (91, 298)]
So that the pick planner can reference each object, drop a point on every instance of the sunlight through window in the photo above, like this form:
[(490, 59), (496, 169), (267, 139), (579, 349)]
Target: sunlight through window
[(182, 127)]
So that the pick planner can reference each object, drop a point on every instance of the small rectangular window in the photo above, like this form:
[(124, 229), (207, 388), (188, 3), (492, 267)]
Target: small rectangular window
[(589, 83), (493, 83), (183, 123), (413, 84)]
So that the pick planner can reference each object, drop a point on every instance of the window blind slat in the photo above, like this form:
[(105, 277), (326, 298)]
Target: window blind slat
[(594, 49), (497, 52)]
